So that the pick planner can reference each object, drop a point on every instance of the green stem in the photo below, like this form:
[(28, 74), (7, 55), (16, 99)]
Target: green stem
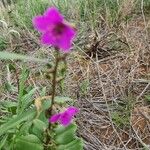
[(58, 58), (54, 82)]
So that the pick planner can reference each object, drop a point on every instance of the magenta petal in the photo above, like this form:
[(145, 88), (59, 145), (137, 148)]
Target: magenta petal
[(54, 118), (72, 110), (53, 15), (70, 32), (48, 39), (65, 42), (65, 119), (40, 23)]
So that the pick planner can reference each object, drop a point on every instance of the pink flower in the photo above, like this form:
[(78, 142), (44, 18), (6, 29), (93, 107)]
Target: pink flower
[(55, 31), (65, 117)]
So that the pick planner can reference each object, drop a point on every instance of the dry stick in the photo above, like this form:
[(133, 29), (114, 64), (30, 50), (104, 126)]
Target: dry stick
[(139, 139), (141, 94), (144, 19)]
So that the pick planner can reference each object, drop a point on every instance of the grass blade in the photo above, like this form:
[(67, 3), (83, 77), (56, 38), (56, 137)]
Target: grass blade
[(14, 56)]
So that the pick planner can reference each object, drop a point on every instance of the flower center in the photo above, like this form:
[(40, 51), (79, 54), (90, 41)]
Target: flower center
[(59, 29)]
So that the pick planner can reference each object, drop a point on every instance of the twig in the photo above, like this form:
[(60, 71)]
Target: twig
[(141, 81), (143, 91), (139, 139), (143, 15)]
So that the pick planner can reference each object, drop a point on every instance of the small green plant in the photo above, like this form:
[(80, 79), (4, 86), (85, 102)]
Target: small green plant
[(122, 113), (84, 86), (3, 44), (119, 120), (147, 98)]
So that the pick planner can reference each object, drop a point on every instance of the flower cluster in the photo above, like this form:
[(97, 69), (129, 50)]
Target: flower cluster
[(55, 31)]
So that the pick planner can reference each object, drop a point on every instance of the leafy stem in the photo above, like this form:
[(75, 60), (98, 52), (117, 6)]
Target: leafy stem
[(54, 82)]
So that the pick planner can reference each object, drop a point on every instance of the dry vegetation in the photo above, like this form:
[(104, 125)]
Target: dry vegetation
[(108, 73)]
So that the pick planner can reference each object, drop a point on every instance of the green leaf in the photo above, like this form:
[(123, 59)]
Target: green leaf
[(14, 122), (12, 67), (46, 104), (58, 99), (62, 100), (3, 44), (76, 144), (22, 79), (14, 56), (3, 141), (4, 118), (29, 142), (43, 118), (43, 92), (38, 128), (9, 87), (24, 129), (65, 135), (60, 129), (27, 100), (8, 104), (66, 138)]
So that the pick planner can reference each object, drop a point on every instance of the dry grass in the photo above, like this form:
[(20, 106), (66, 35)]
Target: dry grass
[(113, 80)]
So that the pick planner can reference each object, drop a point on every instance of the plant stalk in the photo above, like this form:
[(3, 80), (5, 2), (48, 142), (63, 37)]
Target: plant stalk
[(54, 82)]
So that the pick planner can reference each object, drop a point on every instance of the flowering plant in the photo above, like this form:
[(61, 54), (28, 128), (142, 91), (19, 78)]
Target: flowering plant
[(40, 127)]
